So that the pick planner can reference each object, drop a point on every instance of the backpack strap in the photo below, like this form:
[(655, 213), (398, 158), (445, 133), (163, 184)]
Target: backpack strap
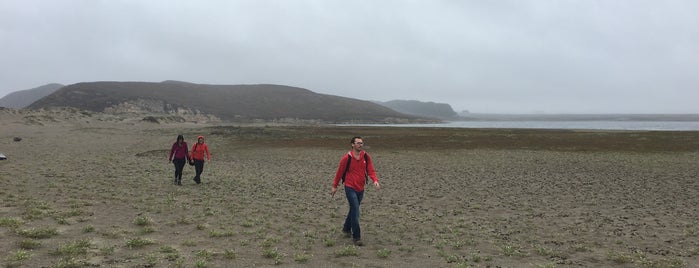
[(349, 160), (366, 170), (194, 149)]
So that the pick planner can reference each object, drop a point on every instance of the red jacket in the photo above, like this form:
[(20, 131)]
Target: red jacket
[(199, 151), (355, 175)]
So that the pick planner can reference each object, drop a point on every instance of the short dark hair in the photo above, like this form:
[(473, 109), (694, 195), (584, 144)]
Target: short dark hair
[(354, 138)]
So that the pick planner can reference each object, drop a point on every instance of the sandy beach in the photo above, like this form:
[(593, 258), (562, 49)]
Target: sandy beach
[(88, 190)]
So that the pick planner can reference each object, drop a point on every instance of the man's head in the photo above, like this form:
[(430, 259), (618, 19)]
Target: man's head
[(357, 143)]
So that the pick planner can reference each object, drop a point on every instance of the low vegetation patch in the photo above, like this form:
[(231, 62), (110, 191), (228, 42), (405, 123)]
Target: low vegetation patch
[(619, 258), (273, 253), (29, 244), (143, 221), (10, 222), (512, 250), (204, 254), (89, 229), (230, 254), (347, 251), (138, 242), (213, 233), (38, 233), (19, 256), (302, 257), (383, 253), (329, 242), (74, 248)]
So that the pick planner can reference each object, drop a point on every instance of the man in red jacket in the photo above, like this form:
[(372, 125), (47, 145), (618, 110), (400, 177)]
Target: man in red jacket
[(354, 168)]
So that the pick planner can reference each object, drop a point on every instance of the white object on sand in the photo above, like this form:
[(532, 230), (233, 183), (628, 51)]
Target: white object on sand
[(2, 157)]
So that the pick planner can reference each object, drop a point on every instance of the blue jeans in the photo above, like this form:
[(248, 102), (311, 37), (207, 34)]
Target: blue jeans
[(352, 222)]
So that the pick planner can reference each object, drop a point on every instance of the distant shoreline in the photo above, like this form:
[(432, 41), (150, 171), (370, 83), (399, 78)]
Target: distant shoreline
[(579, 117), (559, 124)]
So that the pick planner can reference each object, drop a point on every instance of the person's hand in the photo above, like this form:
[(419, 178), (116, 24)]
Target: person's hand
[(376, 185), (332, 192)]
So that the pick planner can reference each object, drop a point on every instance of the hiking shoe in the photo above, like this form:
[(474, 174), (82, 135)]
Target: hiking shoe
[(358, 242)]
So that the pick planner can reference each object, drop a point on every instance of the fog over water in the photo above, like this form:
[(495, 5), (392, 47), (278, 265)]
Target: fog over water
[(523, 56)]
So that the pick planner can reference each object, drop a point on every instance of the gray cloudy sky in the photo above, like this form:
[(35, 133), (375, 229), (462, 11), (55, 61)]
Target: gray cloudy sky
[(519, 56)]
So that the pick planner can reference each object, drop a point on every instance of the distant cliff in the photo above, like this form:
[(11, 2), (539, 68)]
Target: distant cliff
[(424, 109), (23, 98)]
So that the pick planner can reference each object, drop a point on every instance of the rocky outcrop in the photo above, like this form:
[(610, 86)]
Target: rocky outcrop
[(155, 109)]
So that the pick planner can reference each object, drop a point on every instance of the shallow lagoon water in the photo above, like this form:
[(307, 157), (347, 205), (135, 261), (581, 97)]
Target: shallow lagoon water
[(539, 124)]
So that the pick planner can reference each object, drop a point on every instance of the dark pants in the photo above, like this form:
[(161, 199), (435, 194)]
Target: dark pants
[(352, 221), (199, 167), (179, 165)]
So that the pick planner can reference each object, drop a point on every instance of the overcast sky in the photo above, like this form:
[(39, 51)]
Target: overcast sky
[(491, 56)]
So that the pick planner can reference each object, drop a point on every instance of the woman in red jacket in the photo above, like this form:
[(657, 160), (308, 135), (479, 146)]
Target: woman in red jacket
[(199, 151)]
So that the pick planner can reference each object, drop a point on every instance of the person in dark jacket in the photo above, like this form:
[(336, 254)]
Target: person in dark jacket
[(179, 155)]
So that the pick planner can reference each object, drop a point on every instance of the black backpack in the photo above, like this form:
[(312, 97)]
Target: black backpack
[(366, 170)]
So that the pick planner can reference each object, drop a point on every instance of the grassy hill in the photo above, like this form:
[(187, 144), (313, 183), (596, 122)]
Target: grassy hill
[(23, 98), (228, 102)]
